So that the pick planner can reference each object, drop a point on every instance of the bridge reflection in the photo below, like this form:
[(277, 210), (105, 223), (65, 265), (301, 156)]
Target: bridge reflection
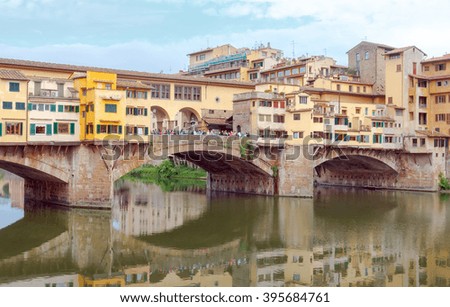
[(156, 238)]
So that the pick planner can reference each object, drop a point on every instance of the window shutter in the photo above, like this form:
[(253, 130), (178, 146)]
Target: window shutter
[(30, 106), (1, 129), (55, 128), (32, 129), (146, 130), (77, 109), (346, 121), (336, 121), (374, 138), (120, 129), (145, 112), (72, 128), (98, 128), (135, 130), (60, 108), (48, 129), (53, 108)]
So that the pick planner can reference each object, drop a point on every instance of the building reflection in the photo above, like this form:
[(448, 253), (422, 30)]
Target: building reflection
[(157, 239), (142, 209)]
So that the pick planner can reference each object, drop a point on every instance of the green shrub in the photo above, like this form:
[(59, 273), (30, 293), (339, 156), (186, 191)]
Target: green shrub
[(443, 182)]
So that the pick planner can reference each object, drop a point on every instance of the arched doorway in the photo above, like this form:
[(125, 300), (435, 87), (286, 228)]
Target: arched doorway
[(159, 119), (188, 119)]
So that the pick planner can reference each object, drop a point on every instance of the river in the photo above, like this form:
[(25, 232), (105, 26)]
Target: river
[(155, 237)]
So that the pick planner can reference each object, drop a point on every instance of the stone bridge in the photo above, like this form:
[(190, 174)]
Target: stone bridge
[(82, 174)]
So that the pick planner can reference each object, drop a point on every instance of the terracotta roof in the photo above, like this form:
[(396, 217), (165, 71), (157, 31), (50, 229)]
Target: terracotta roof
[(12, 75), (432, 133), (385, 118), (120, 72), (133, 84), (445, 57), (403, 49), (215, 121), (431, 77), (373, 44)]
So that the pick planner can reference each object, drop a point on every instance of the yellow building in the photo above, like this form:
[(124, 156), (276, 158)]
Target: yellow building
[(53, 110), (430, 93), (13, 97)]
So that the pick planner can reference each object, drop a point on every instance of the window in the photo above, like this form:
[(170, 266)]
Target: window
[(295, 71), (278, 118), (20, 105), (14, 128), (394, 56), (109, 129), (14, 86), (358, 110), (350, 88), (303, 99), (62, 128), (7, 105), (366, 55), (40, 129), (440, 117), (440, 67), (187, 93), (440, 99), (296, 116), (364, 89), (366, 111), (298, 135), (390, 100), (338, 87), (71, 109), (358, 57), (110, 108), (83, 92), (399, 67), (439, 83), (141, 95), (108, 86), (426, 68)]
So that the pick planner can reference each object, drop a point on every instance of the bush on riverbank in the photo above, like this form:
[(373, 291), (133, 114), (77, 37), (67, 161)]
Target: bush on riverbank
[(443, 182), (168, 176), (167, 169)]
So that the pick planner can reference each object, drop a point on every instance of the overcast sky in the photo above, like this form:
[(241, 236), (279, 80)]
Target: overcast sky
[(156, 35)]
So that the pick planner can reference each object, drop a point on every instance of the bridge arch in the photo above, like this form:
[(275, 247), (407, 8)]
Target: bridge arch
[(359, 170), (32, 166), (160, 119)]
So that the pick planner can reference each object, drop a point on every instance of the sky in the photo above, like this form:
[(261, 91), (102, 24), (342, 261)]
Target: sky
[(157, 35)]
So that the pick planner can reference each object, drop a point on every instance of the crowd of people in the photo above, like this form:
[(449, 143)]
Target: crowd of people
[(199, 132)]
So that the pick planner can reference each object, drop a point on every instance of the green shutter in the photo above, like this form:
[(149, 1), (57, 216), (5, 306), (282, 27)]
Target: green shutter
[(120, 129), (374, 139), (60, 108), (72, 128), (55, 128), (98, 128), (52, 108), (145, 112), (77, 109), (1, 129), (30, 106), (336, 121), (346, 121), (146, 130), (32, 129), (48, 129)]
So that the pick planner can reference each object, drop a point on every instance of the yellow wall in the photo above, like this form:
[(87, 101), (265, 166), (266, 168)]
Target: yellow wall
[(13, 115)]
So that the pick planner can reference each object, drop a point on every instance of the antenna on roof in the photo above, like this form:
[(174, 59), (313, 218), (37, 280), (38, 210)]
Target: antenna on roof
[(293, 49)]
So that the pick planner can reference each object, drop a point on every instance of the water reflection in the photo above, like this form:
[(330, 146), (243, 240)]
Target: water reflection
[(157, 238)]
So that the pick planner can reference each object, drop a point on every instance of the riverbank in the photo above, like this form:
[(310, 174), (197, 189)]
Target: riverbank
[(168, 176)]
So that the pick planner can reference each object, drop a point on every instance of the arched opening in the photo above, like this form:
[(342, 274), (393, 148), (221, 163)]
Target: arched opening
[(160, 121), (188, 119), (355, 171), (238, 128)]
